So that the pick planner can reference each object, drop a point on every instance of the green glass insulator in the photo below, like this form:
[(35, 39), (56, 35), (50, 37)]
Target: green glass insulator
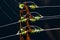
[(21, 6), (32, 6)]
